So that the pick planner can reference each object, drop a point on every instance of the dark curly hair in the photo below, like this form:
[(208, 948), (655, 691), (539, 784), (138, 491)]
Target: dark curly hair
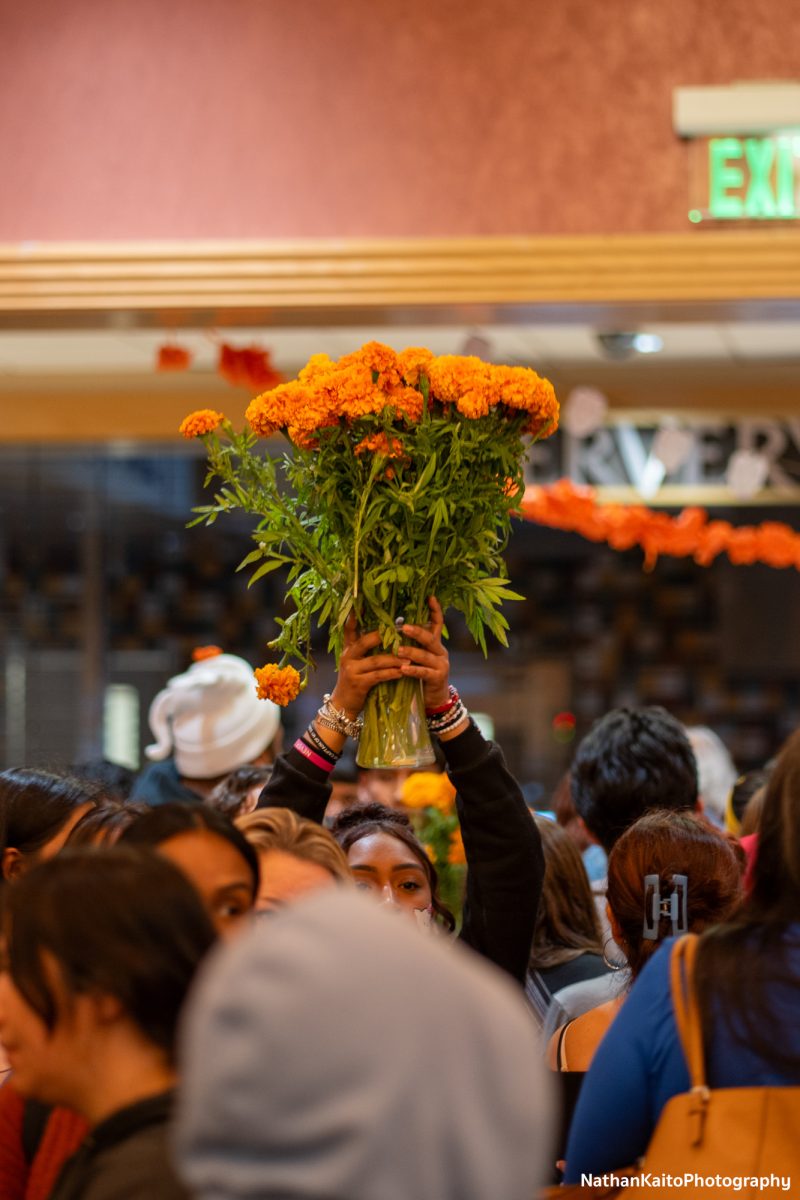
[(362, 820)]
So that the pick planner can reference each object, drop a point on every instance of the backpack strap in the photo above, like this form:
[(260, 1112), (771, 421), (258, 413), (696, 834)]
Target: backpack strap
[(690, 1029), (561, 1058)]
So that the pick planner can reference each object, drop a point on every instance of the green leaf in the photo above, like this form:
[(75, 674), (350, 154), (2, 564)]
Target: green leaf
[(265, 570)]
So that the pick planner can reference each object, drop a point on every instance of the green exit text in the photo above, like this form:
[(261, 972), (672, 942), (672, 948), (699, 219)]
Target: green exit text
[(754, 178)]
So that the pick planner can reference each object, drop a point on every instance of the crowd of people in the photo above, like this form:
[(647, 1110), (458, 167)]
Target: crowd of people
[(162, 1040)]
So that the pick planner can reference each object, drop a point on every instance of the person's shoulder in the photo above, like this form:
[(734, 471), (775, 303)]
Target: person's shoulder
[(572, 1001), (139, 1168)]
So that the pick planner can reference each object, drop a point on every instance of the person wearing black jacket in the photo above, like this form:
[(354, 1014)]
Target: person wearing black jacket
[(505, 862)]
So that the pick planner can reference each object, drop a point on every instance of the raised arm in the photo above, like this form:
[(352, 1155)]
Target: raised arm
[(300, 779), (505, 862)]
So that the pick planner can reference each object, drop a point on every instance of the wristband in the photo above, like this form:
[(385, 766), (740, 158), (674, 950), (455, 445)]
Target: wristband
[(312, 739), (313, 757)]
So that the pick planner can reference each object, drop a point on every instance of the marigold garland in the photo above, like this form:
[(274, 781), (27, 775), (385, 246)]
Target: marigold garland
[(569, 506), (171, 357), (249, 367), (281, 685)]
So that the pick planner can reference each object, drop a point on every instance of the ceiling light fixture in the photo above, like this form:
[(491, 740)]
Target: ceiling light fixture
[(625, 345)]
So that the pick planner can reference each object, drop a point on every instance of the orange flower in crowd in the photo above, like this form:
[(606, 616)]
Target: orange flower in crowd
[(456, 855), (201, 653), (205, 420), (173, 358), (427, 789), (279, 684)]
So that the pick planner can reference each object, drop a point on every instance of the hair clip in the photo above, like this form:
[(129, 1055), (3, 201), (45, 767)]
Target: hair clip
[(674, 906)]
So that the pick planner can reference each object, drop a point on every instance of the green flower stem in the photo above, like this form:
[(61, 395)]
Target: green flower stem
[(395, 732)]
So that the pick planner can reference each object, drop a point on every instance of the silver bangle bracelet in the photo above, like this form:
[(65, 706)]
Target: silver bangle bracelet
[(333, 718)]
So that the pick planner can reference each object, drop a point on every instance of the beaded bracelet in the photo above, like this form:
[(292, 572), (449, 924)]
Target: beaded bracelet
[(333, 718), (443, 708), (448, 720)]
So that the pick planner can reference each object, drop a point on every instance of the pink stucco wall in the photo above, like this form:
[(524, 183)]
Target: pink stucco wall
[(131, 119)]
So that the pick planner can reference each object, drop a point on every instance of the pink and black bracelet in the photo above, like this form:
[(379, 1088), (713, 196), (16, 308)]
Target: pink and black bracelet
[(318, 752), (313, 756), (316, 743)]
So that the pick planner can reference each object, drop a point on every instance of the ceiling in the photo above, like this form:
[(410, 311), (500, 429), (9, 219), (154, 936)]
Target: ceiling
[(543, 345), (56, 384)]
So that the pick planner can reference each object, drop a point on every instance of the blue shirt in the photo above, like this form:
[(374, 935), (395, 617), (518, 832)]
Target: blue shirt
[(639, 1066)]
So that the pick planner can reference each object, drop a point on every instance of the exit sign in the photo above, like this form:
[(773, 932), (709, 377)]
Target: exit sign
[(747, 178)]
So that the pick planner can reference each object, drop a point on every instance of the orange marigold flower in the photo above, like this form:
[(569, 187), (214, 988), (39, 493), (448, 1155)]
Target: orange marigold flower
[(475, 403), (522, 390), (407, 402), (452, 376), (279, 684), (379, 443), (317, 365), (205, 420), (413, 362), (274, 409), (201, 653), (351, 393), (427, 789), (378, 359)]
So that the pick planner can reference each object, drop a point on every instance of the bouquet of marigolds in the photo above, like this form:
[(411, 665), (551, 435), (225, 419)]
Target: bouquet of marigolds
[(403, 475)]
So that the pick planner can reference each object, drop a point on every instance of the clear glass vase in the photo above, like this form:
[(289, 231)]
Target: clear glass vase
[(395, 732)]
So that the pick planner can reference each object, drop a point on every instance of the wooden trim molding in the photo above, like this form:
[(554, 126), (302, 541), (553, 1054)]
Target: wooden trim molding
[(301, 280)]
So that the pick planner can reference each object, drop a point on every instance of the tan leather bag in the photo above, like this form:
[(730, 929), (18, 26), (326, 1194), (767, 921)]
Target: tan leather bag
[(713, 1143)]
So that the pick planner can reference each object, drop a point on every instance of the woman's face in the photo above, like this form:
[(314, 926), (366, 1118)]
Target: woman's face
[(43, 1061), (218, 871), (387, 867), (284, 878)]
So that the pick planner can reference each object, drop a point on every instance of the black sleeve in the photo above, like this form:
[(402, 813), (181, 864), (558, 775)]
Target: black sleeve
[(297, 784), (505, 861)]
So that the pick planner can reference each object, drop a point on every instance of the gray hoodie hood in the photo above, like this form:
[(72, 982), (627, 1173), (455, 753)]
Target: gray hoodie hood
[(335, 1052)]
